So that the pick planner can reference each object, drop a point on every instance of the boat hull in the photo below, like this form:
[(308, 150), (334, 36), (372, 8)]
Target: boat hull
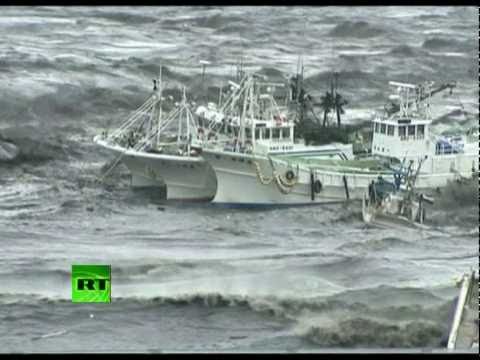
[(185, 178), (249, 180)]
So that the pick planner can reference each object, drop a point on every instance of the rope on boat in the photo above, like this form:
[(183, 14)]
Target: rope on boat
[(284, 185), (263, 179), (149, 103), (114, 164), (284, 189)]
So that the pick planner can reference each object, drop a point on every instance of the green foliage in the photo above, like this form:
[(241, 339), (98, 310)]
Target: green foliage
[(315, 134)]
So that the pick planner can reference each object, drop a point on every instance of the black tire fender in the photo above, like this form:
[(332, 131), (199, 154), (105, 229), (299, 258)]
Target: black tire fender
[(289, 175)]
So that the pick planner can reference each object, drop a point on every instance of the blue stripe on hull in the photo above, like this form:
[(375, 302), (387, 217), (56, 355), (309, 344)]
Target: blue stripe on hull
[(270, 205)]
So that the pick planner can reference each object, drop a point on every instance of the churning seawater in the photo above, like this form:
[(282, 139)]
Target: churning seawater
[(198, 277)]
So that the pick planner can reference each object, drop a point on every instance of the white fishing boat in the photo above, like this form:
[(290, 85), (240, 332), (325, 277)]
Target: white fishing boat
[(163, 150), (463, 334)]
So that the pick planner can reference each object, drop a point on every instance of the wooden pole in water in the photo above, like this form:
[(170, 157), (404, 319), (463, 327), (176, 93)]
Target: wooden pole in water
[(347, 194), (312, 187)]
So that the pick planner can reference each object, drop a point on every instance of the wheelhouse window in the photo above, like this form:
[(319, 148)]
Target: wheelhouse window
[(411, 130), (267, 133), (402, 131), (377, 127), (421, 131), (276, 134), (390, 130), (383, 128), (257, 133), (286, 133)]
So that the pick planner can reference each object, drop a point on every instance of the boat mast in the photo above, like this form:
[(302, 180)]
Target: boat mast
[(300, 69), (160, 105), (252, 133), (184, 105), (179, 136), (242, 116)]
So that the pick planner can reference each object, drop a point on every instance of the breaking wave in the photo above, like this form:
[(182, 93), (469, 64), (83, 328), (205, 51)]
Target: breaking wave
[(392, 326), (368, 333)]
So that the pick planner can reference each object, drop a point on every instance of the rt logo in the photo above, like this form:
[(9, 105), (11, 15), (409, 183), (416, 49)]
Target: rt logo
[(91, 283)]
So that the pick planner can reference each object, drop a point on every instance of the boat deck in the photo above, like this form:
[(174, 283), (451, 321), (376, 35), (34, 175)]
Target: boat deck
[(360, 166)]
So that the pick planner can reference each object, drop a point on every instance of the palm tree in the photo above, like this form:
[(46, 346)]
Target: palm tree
[(327, 104), (339, 103)]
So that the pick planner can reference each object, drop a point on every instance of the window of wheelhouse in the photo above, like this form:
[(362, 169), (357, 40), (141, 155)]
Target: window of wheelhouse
[(411, 130), (390, 130), (421, 131), (257, 133), (286, 133), (276, 133), (383, 128), (402, 131), (377, 127), (248, 133), (267, 134)]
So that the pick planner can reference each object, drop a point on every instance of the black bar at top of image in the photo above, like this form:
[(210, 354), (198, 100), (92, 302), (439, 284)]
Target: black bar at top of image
[(239, 3)]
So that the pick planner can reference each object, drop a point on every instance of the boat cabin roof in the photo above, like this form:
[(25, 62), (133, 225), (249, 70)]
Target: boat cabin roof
[(401, 120)]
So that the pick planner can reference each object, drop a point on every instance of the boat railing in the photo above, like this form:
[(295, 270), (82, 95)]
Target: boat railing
[(411, 137), (448, 149), (333, 170)]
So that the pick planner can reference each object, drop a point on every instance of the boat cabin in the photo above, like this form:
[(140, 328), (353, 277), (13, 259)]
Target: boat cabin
[(270, 130), (404, 133), (399, 136), (259, 124)]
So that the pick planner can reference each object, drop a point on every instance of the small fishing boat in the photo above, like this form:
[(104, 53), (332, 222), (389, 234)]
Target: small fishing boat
[(396, 204)]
